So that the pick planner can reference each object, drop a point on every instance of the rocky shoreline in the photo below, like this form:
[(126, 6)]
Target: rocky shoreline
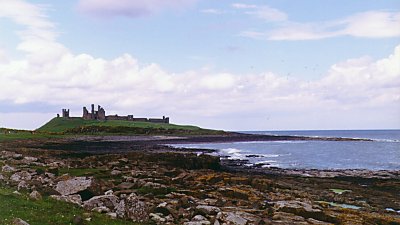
[(142, 181)]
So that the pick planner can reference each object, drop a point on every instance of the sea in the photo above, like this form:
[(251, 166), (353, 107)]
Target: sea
[(382, 153)]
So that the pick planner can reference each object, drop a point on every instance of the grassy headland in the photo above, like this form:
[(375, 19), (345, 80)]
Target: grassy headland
[(81, 126), (60, 127)]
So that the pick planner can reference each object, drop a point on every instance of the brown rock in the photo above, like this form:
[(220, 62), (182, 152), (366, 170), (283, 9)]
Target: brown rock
[(35, 195)]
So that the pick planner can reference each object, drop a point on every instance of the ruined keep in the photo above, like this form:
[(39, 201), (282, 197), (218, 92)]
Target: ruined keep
[(100, 114), (65, 113)]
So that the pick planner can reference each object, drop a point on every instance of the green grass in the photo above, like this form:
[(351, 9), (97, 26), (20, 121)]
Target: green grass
[(46, 211), (63, 127), (81, 126), (11, 134), (64, 124), (82, 171)]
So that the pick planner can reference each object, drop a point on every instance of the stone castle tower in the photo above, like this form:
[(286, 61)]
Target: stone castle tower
[(100, 114)]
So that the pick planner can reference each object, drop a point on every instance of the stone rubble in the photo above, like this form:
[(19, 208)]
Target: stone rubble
[(157, 187)]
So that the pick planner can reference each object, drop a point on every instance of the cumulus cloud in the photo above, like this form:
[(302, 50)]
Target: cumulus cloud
[(50, 73), (130, 8), (371, 24)]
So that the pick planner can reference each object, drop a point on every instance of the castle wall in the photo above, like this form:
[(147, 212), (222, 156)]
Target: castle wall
[(100, 114), (154, 120), (116, 117), (140, 119)]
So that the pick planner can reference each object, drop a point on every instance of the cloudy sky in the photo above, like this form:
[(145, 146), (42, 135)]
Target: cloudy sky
[(236, 65)]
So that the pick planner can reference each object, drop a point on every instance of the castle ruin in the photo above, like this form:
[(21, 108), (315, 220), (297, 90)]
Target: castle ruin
[(100, 114), (65, 112)]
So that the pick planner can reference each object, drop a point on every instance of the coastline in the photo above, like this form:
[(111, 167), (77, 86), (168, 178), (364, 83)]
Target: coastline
[(175, 186)]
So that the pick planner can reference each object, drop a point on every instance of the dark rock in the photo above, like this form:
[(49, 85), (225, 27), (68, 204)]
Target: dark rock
[(78, 220)]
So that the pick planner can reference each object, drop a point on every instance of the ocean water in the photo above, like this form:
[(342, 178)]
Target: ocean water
[(381, 154)]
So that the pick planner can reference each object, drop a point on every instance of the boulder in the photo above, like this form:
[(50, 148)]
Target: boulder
[(73, 186), (231, 218), (17, 156), (8, 169), (113, 215), (317, 222), (116, 172), (29, 159), (6, 154), (19, 221), (158, 219), (198, 220), (238, 218), (234, 193), (303, 209), (288, 218), (22, 185), (135, 209), (20, 176), (208, 210), (35, 195), (101, 209), (75, 199), (108, 201)]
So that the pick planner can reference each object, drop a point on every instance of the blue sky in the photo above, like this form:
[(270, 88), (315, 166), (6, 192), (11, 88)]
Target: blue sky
[(274, 64)]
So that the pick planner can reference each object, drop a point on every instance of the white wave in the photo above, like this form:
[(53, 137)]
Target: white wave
[(385, 140), (231, 150), (289, 142), (233, 153), (270, 155), (271, 165), (265, 162)]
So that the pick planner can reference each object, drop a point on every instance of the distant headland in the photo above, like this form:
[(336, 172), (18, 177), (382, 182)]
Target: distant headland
[(100, 114)]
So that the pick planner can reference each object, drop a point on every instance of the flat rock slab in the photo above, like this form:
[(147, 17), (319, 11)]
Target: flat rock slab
[(73, 186)]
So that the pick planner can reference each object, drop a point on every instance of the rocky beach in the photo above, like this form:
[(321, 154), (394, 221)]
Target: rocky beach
[(141, 180)]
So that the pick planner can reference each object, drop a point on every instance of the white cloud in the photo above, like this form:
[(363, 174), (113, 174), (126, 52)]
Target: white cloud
[(213, 11), (130, 8), (3, 56), (243, 6), (372, 24), (263, 12), (50, 73)]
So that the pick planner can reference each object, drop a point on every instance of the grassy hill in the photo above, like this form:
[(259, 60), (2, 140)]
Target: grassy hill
[(81, 126)]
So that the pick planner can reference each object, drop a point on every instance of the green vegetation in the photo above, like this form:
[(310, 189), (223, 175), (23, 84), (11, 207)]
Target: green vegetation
[(82, 171), (12, 134), (61, 127), (46, 211), (81, 126)]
